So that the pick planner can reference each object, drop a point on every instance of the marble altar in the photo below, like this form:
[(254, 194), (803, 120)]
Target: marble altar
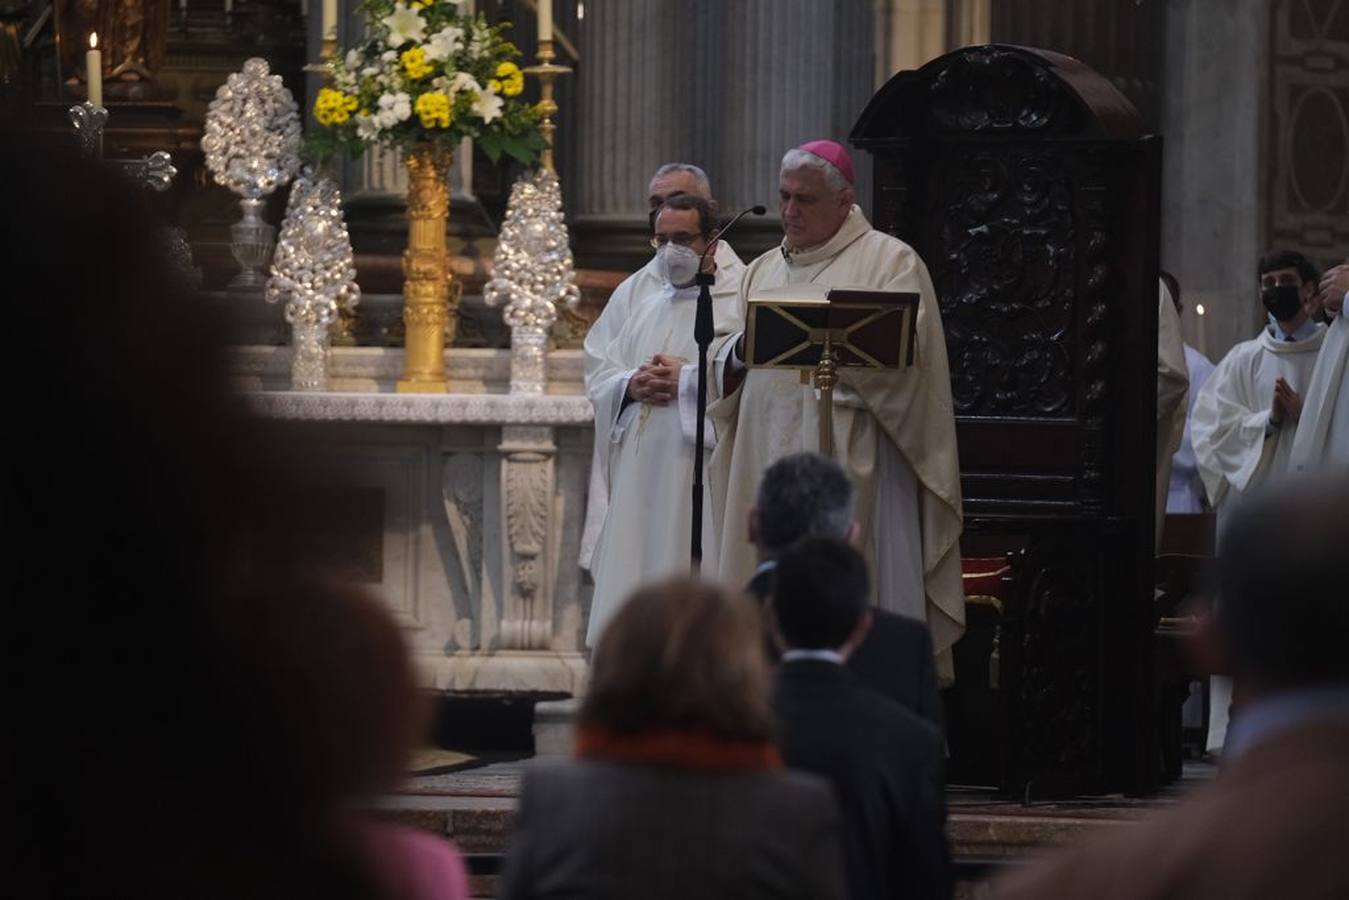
[(467, 507)]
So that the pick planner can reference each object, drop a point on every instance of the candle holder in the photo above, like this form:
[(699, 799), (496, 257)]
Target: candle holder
[(89, 121), (547, 73)]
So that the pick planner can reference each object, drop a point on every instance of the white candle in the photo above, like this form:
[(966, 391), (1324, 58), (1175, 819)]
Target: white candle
[(545, 20), (229, 7), (93, 71), (329, 20)]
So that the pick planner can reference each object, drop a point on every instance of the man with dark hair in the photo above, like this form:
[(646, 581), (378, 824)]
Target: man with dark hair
[(1272, 824), (1247, 413), (1245, 419), (884, 762), (806, 495), (640, 361), (668, 182)]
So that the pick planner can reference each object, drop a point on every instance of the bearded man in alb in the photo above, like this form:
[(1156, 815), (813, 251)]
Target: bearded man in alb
[(893, 431), (640, 376)]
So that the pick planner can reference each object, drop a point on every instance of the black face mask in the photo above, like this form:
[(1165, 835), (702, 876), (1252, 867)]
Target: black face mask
[(1283, 301)]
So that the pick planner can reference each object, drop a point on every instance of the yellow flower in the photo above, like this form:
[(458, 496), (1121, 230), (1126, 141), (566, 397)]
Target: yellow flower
[(420, 4), (509, 80), (334, 107), (415, 64), (433, 108)]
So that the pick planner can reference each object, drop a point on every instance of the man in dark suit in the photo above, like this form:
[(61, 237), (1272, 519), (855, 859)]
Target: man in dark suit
[(1273, 823), (885, 763), (805, 495)]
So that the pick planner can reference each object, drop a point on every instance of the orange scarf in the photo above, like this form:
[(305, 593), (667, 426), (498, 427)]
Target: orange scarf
[(694, 750)]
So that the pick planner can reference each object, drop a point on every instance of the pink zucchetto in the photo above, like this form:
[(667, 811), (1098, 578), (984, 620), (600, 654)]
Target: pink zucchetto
[(832, 152)]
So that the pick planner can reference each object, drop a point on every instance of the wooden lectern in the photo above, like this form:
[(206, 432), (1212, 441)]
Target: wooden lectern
[(818, 330)]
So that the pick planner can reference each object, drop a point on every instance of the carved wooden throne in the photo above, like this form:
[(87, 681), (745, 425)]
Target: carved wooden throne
[(1027, 184)]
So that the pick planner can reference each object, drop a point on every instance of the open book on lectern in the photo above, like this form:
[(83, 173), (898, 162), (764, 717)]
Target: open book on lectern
[(786, 328)]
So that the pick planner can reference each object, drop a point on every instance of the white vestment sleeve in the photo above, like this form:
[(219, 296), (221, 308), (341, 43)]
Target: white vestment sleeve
[(1230, 443), (688, 409)]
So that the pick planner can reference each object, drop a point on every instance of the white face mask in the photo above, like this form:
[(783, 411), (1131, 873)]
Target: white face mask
[(678, 264)]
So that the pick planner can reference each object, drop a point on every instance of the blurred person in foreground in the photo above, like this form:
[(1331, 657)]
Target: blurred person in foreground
[(807, 495), (886, 763), (191, 711), (1272, 824), (678, 790)]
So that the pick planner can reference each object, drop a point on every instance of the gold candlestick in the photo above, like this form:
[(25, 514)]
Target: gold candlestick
[(547, 73)]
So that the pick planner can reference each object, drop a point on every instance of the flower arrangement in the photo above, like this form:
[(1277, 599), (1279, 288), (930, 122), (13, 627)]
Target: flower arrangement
[(427, 73)]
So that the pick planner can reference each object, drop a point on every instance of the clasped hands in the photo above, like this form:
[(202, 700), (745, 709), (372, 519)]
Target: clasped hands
[(1286, 406), (656, 382)]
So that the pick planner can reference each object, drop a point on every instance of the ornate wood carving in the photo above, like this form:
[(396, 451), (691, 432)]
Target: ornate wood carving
[(1007, 259), (1025, 182)]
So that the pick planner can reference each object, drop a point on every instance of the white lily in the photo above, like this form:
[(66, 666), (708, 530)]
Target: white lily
[(444, 43), (462, 81), (404, 25), (487, 106)]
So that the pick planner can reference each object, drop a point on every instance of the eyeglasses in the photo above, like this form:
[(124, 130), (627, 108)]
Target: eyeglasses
[(680, 238)]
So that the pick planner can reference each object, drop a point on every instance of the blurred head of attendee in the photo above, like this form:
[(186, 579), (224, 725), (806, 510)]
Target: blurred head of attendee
[(801, 496), (1282, 618), (1288, 288), (682, 657), (190, 707), (819, 597)]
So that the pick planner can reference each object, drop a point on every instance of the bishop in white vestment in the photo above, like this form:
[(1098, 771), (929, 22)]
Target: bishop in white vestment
[(640, 365), (894, 432)]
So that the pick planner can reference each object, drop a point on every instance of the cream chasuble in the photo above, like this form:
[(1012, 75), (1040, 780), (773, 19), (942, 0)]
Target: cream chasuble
[(1233, 443), (643, 462), (1322, 439), (894, 432)]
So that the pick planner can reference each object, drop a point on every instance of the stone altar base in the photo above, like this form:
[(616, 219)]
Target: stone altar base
[(476, 809)]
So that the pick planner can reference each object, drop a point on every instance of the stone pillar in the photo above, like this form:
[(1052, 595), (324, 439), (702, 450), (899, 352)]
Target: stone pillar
[(1212, 214), (726, 86)]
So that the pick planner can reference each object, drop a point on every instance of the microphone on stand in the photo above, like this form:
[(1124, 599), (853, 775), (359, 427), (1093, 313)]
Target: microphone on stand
[(703, 332)]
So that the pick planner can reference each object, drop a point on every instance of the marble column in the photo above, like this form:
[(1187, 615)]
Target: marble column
[(726, 86), (1212, 210)]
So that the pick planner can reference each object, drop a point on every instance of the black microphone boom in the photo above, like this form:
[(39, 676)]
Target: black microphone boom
[(703, 332)]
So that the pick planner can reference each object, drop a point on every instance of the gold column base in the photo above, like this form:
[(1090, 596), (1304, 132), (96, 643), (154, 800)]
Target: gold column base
[(406, 386)]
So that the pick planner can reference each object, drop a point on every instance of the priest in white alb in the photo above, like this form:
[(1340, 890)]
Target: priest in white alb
[(894, 432), (1322, 439), (1247, 416), (641, 361)]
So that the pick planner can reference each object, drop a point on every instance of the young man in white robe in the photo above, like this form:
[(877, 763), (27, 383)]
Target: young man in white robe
[(1247, 415), (1322, 439), (641, 363), (670, 180), (894, 432)]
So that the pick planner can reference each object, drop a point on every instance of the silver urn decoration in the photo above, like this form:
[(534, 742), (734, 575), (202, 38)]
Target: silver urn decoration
[(252, 147), (315, 274)]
